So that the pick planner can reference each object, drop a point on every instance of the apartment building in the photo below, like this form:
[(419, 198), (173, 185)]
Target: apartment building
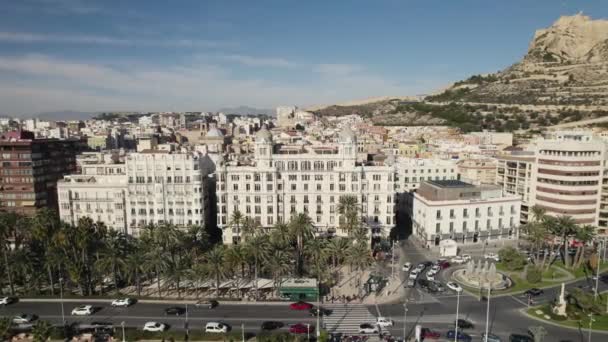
[(282, 180), (564, 175), (164, 186), (466, 213), (411, 172), (478, 170), (99, 193), (30, 169)]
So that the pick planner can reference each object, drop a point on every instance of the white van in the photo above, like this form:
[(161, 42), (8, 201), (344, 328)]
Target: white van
[(216, 327)]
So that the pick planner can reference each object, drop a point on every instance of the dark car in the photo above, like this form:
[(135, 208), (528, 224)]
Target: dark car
[(322, 312), (461, 336), (423, 283), (207, 303), (272, 325), (444, 264), (175, 311), (429, 334), (533, 292), (464, 324), (520, 338), (427, 263)]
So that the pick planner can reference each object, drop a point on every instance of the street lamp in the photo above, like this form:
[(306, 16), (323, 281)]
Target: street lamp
[(122, 324), (590, 324), (457, 308), (308, 331), (404, 319), (61, 301), (488, 313), (318, 315), (187, 326)]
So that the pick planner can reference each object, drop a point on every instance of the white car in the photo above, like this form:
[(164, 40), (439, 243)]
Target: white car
[(458, 259), (23, 319), (123, 302), (367, 328), (7, 300), (407, 267), (84, 310), (435, 269), (384, 322), (466, 257), (154, 326), (216, 327), (492, 256), (453, 286), (430, 276), (414, 274)]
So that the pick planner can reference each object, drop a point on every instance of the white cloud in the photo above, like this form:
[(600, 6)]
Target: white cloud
[(260, 61), (26, 37), (337, 69), (34, 83)]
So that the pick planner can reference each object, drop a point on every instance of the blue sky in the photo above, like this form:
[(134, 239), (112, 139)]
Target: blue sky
[(206, 54)]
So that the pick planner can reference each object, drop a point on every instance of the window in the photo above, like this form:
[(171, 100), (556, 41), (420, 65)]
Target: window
[(293, 187), (488, 224), (465, 213), (439, 214), (438, 228), (464, 226), (452, 213)]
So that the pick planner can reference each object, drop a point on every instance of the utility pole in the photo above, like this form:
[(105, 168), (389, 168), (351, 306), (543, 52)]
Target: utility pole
[(318, 314), (243, 331), (590, 324), (393, 260), (488, 313), (597, 278), (61, 300), (405, 319), (122, 324), (457, 308)]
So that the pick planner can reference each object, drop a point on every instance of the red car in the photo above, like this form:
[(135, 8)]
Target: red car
[(300, 306), (300, 328), (430, 334), (444, 264)]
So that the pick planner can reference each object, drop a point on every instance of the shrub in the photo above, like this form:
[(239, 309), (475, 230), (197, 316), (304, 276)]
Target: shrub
[(534, 275), (512, 259)]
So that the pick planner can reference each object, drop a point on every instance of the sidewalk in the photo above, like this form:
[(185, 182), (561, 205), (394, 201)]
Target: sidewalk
[(145, 301)]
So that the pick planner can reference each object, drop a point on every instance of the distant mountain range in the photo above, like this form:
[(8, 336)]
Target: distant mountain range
[(64, 115), (245, 110)]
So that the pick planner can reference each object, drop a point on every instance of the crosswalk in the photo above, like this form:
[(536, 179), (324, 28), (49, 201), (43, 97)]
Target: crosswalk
[(347, 318)]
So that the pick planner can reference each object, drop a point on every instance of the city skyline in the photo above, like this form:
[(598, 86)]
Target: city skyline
[(104, 56)]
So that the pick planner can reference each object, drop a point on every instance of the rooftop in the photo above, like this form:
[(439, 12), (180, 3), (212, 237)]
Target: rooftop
[(450, 183)]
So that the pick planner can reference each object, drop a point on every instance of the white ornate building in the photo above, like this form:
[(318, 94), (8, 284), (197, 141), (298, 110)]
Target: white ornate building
[(282, 180)]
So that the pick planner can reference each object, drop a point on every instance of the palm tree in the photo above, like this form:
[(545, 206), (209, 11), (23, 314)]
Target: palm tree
[(157, 263), (7, 223), (216, 259), (300, 228), (336, 248), (236, 258), (348, 209), (565, 227), (135, 266), (317, 258), (584, 235), (278, 266), (257, 249), (197, 275), (112, 258), (236, 220), (177, 271), (5, 326), (44, 226), (41, 331), (359, 257), (280, 235)]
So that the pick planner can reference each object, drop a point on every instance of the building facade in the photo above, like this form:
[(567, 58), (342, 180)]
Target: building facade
[(282, 181), (463, 212), (478, 170), (30, 169)]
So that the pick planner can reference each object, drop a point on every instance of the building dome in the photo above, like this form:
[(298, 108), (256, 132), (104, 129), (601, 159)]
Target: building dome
[(347, 135), (214, 133), (263, 135)]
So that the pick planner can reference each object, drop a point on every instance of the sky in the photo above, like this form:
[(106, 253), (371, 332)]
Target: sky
[(202, 55)]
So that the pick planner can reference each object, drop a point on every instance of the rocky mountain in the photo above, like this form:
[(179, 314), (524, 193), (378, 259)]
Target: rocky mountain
[(566, 65)]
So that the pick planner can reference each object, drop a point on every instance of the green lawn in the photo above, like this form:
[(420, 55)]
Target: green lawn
[(599, 322)]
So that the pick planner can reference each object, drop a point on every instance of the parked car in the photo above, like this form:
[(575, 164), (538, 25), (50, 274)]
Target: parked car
[(300, 328), (466, 257), (175, 311), (464, 324), (461, 336), (216, 327), (435, 269), (520, 338), (453, 286), (300, 306), (438, 286), (207, 303), (430, 276), (410, 283), (491, 338), (492, 256), (8, 300), (84, 310), (24, 318), (420, 267), (123, 302), (407, 267), (414, 274), (384, 322), (423, 283), (444, 265), (533, 292), (272, 325), (321, 312), (458, 259), (427, 334), (154, 326), (367, 328)]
